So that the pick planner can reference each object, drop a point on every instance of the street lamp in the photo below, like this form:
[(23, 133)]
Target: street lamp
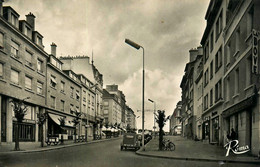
[(136, 46), (153, 114)]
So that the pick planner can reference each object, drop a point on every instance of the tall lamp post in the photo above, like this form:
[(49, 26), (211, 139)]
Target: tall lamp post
[(153, 115), (137, 46)]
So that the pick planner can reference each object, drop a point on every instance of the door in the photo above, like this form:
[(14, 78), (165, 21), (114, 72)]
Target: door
[(3, 120)]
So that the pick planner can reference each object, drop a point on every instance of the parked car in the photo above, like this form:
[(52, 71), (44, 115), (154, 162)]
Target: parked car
[(130, 140)]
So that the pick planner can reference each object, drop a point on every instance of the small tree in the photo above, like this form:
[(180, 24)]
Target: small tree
[(62, 124), (160, 119), (76, 121), (41, 120), (19, 112)]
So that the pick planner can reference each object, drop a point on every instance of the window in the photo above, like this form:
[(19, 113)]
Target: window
[(29, 113), (39, 65), (39, 88), (77, 95), (77, 109), (248, 71), (71, 108), (84, 108), (228, 52), (211, 97), (211, 69), (219, 25), (84, 95), (206, 51), (52, 101), (62, 105), (14, 20), (206, 102), (93, 99), (88, 98), (28, 82), (14, 76), (218, 91), (14, 49), (211, 42), (39, 40), (1, 70), (26, 131), (62, 86), (206, 77), (218, 61), (227, 91), (237, 39), (250, 17), (28, 58), (53, 81), (236, 81), (1, 40), (71, 92)]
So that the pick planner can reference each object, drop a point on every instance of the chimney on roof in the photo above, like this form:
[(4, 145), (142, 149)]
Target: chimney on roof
[(53, 49), (30, 18), (193, 54)]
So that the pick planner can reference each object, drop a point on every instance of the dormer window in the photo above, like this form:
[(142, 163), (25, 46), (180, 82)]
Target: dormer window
[(39, 40), (14, 20)]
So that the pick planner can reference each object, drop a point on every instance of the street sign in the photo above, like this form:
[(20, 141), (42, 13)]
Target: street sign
[(255, 36)]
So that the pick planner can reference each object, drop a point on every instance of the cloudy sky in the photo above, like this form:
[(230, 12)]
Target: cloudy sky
[(167, 29)]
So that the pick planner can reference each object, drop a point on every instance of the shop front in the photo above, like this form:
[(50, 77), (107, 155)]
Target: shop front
[(60, 126), (206, 129)]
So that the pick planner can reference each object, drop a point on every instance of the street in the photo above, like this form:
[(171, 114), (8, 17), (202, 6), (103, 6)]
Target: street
[(102, 154)]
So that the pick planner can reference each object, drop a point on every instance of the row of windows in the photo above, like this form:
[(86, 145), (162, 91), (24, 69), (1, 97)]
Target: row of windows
[(218, 95), (28, 55), (15, 75), (230, 89)]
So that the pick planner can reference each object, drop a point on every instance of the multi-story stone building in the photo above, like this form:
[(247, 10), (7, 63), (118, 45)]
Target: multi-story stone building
[(113, 89), (213, 45), (241, 72), (22, 74), (175, 119), (63, 98), (189, 112), (130, 121), (198, 94), (82, 65)]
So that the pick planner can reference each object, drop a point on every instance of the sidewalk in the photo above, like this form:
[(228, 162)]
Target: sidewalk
[(35, 146), (186, 149)]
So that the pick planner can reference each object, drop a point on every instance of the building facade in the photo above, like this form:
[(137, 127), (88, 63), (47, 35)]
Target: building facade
[(213, 45), (241, 73), (22, 74), (175, 119), (131, 119)]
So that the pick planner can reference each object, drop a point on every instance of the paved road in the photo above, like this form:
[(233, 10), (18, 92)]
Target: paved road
[(103, 154)]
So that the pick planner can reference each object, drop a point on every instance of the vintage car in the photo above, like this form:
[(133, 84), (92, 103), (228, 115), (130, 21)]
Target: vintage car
[(130, 140)]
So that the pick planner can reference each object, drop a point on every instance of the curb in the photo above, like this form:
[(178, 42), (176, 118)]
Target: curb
[(49, 148), (142, 153), (196, 159)]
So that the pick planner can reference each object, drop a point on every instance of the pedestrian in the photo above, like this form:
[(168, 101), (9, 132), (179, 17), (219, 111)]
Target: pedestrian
[(233, 135)]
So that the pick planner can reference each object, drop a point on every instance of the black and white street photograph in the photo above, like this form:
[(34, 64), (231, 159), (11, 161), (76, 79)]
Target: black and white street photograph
[(129, 83)]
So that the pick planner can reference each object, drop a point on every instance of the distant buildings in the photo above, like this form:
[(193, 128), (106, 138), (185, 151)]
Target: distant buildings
[(175, 120)]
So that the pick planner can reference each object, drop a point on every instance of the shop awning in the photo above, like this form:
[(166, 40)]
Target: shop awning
[(55, 118), (68, 120)]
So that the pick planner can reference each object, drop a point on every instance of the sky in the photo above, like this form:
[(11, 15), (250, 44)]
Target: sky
[(167, 29)]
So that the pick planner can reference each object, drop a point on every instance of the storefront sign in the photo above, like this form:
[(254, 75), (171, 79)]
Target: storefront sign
[(255, 36), (235, 148)]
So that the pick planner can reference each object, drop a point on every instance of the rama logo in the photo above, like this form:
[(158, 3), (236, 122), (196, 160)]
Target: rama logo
[(234, 146)]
